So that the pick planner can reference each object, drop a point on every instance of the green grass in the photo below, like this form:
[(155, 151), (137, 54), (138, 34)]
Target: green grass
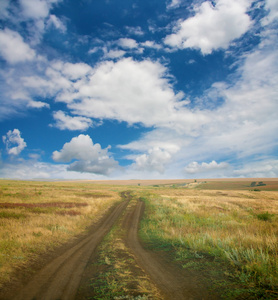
[(203, 239), (117, 275)]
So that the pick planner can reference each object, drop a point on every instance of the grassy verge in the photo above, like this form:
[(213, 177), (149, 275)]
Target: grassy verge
[(230, 236), (36, 217), (116, 274)]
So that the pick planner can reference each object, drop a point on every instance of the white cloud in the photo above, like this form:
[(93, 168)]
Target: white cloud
[(72, 71), (117, 90), (13, 49), (114, 54), (258, 169), (135, 30), (14, 138), (151, 44), (243, 126), (57, 23), (37, 104), (90, 157), (154, 161), (65, 122), (174, 4), (195, 167), (272, 7), (35, 9), (127, 43), (212, 27)]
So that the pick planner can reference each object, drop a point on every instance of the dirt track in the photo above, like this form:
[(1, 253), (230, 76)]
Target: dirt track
[(172, 283), (60, 278)]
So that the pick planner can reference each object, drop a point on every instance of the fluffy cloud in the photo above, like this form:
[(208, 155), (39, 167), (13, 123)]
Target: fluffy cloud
[(127, 43), (64, 121), (14, 138), (212, 27), (195, 167), (120, 90), (89, 157), (243, 126), (34, 14), (155, 161), (35, 9), (13, 49)]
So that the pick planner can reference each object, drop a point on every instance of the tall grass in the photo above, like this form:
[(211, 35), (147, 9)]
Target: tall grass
[(224, 225), (36, 217)]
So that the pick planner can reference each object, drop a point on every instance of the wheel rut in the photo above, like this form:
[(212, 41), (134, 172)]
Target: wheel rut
[(169, 279), (60, 278)]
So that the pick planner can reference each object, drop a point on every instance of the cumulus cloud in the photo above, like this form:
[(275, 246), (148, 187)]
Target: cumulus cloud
[(120, 90), (212, 27), (154, 161), (127, 43), (244, 125), (88, 157), (195, 167), (14, 138), (13, 48), (65, 122)]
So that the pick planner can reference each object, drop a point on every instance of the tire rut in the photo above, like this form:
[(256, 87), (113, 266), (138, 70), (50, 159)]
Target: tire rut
[(172, 283), (60, 278)]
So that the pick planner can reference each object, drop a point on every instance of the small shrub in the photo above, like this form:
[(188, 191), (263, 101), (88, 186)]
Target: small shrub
[(265, 216)]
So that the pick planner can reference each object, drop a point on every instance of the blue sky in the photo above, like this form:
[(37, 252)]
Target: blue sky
[(126, 89)]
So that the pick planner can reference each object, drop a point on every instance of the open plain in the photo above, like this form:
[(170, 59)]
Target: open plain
[(139, 239)]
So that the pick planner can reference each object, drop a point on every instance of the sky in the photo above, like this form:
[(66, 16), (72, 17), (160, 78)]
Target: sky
[(143, 89)]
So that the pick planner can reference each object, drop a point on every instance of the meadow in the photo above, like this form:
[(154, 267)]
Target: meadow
[(231, 235), (224, 231), (37, 217)]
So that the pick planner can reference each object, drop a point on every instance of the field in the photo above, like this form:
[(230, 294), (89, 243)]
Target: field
[(139, 239)]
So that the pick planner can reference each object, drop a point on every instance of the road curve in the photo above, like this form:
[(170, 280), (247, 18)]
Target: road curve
[(60, 278), (171, 282)]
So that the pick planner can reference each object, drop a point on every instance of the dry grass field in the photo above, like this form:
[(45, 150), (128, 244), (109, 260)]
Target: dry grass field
[(36, 217), (231, 228), (226, 231)]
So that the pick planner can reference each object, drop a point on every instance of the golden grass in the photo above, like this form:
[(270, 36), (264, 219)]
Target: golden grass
[(36, 217), (239, 226)]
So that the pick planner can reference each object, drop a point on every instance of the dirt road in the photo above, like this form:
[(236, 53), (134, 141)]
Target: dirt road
[(171, 281), (60, 278)]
